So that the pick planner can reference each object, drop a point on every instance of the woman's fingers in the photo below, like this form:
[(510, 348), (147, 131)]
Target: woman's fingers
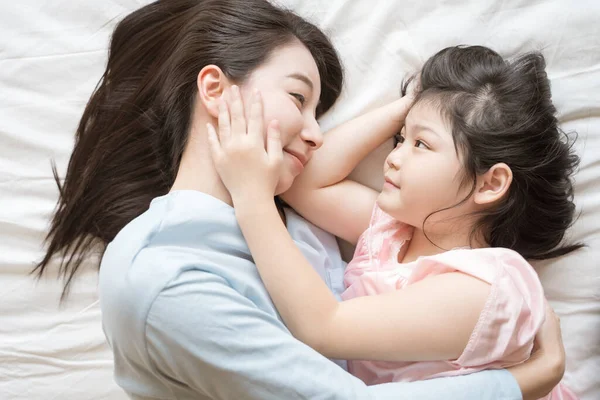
[(238, 119), (256, 119)]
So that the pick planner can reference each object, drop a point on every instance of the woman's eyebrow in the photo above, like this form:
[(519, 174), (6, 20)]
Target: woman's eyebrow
[(303, 78)]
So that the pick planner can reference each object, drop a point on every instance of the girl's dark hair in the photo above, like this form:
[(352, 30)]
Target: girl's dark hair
[(500, 111), (135, 126)]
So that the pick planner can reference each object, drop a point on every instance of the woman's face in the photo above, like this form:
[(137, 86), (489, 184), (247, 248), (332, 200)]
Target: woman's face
[(290, 86)]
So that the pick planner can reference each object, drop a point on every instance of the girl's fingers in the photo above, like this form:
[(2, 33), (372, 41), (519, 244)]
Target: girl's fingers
[(223, 118), (255, 122), (274, 150), (213, 141), (238, 119)]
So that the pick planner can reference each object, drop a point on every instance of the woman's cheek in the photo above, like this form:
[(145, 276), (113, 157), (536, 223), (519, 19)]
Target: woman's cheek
[(289, 118)]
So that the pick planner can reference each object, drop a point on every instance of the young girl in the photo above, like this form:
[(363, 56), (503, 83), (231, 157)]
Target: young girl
[(479, 182)]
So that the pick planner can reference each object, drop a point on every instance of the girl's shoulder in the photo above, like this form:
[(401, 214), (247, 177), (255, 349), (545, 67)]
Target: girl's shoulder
[(513, 312), (503, 268)]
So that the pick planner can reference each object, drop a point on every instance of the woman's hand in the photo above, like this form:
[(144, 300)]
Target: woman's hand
[(546, 366), (248, 168)]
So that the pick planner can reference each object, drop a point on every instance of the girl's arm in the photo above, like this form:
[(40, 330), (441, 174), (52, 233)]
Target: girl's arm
[(323, 195), (251, 175), (429, 320)]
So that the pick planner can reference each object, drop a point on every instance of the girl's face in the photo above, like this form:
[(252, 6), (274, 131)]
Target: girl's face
[(423, 173), (290, 86)]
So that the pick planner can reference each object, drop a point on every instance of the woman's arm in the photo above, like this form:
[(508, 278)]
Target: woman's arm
[(201, 347), (546, 366), (323, 195)]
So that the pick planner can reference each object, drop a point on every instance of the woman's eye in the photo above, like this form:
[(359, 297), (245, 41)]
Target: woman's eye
[(301, 99), (398, 139), (421, 145)]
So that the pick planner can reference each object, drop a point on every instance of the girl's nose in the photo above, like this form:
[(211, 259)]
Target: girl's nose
[(394, 160)]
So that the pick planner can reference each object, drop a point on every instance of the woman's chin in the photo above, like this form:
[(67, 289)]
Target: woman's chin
[(285, 182)]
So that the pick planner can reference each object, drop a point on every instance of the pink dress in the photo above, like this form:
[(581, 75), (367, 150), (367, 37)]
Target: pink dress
[(505, 331)]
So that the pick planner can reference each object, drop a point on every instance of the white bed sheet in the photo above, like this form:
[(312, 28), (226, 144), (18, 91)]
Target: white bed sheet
[(52, 53)]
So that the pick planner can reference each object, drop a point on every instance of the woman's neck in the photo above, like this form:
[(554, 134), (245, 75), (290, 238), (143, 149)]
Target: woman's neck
[(196, 169)]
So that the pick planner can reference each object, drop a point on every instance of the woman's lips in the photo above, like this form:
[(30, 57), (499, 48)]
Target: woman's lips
[(298, 161)]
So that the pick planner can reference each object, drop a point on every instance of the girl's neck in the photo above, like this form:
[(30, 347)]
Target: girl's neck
[(421, 245)]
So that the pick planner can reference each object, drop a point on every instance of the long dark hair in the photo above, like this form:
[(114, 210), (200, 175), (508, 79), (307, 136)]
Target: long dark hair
[(500, 111), (134, 128)]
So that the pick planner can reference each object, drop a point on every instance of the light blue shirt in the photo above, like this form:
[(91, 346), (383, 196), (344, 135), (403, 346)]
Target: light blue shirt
[(187, 316)]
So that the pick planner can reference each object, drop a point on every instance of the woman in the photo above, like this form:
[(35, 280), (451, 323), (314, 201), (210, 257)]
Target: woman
[(183, 307)]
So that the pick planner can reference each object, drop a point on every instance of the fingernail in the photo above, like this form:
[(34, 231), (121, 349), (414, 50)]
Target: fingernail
[(235, 90)]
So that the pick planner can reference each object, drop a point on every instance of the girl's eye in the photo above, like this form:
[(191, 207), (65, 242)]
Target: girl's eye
[(301, 99), (398, 139), (421, 145)]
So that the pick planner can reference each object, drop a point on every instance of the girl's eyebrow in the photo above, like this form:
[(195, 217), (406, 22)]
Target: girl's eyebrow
[(422, 127)]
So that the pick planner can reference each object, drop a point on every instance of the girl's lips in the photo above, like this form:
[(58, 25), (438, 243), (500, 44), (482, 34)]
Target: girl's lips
[(390, 183)]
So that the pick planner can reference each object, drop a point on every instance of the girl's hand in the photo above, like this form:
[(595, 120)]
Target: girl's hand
[(249, 172), (401, 106)]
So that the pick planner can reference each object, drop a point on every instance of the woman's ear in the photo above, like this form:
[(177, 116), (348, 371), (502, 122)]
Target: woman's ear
[(493, 185), (211, 83)]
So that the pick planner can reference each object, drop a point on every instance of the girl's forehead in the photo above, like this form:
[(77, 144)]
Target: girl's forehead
[(429, 115)]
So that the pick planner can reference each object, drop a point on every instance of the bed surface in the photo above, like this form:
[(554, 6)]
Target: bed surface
[(53, 52)]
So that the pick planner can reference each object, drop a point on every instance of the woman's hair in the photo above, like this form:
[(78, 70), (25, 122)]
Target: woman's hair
[(135, 126), (500, 111)]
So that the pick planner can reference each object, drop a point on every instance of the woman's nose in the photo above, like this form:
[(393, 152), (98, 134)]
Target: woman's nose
[(312, 135)]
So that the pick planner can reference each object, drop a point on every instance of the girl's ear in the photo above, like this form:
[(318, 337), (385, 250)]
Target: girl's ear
[(493, 185), (211, 83)]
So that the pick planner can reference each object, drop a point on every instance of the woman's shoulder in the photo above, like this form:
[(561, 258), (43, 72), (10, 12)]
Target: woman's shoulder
[(164, 257), (179, 232), (180, 219)]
